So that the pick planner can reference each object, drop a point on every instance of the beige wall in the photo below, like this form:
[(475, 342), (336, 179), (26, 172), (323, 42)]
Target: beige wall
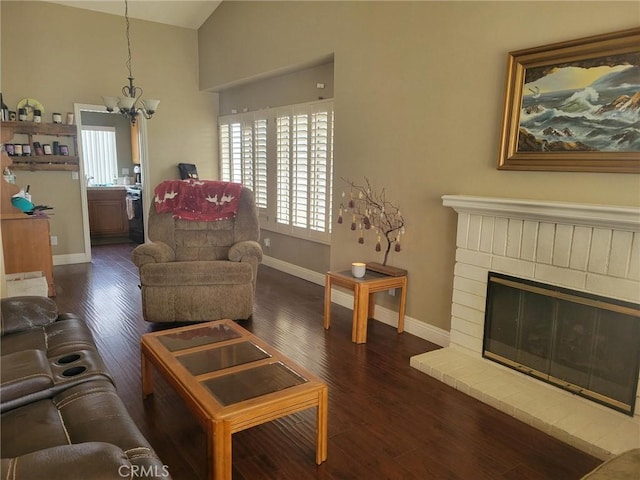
[(62, 55), (287, 89), (418, 98)]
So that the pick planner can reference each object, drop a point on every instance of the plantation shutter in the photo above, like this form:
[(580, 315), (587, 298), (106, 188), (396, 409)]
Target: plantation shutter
[(319, 172), (285, 155), (305, 161), (231, 145), (236, 152), (225, 152), (243, 155), (283, 162), (247, 155), (300, 173), (260, 169)]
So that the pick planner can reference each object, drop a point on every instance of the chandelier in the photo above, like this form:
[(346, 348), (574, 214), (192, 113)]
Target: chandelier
[(131, 103)]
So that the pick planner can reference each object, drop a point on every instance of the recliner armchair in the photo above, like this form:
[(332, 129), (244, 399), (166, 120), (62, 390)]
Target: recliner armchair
[(200, 270)]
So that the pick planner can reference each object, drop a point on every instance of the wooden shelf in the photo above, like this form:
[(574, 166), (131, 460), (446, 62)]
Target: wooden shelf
[(44, 162), (33, 128)]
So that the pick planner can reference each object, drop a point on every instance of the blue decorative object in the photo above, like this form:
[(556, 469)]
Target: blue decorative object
[(22, 204)]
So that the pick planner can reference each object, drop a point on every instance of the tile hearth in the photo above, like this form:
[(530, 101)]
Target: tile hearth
[(590, 427)]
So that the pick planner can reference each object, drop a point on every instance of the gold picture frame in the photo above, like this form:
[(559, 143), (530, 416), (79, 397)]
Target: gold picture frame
[(574, 106)]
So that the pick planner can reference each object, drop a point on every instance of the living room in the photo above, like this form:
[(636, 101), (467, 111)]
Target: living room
[(432, 71), (412, 73)]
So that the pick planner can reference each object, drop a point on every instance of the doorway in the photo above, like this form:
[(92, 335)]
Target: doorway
[(108, 205)]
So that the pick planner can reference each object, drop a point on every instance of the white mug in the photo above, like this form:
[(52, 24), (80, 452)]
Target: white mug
[(358, 269)]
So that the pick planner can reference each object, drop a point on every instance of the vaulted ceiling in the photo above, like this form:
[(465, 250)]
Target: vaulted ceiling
[(182, 13)]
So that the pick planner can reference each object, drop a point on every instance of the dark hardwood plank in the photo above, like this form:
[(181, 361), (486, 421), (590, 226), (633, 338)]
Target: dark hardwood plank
[(386, 419)]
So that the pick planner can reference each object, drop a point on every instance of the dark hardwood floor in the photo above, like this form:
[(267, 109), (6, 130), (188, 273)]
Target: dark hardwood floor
[(386, 419)]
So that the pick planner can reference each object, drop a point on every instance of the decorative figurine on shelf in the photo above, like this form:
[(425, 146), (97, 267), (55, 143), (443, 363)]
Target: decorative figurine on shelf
[(4, 110), (370, 210)]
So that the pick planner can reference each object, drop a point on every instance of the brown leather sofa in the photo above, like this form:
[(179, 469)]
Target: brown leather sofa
[(61, 415)]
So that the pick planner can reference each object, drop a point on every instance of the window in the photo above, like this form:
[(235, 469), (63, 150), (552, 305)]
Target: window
[(285, 155), (99, 152), (283, 160), (243, 150)]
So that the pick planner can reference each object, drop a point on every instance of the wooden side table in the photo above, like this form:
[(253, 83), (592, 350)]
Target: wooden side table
[(27, 246), (364, 290)]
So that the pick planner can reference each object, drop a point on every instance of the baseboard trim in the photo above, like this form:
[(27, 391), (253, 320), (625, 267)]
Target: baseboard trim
[(70, 259), (344, 299), (295, 270)]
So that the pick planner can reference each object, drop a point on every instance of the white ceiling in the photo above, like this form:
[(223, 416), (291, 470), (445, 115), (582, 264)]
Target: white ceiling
[(182, 13)]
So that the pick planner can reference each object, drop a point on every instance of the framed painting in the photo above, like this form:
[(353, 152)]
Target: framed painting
[(574, 106)]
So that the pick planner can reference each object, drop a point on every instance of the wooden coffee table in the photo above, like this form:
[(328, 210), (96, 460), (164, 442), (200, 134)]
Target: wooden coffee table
[(231, 380)]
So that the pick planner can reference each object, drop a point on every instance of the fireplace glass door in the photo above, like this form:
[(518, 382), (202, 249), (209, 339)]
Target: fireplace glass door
[(579, 342)]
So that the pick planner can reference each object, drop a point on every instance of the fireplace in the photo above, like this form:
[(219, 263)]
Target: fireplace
[(592, 251), (579, 342)]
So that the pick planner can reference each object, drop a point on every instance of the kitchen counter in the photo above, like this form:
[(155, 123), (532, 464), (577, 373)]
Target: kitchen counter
[(107, 187)]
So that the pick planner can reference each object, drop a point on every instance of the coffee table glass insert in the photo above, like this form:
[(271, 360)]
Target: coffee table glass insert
[(201, 336), (206, 361), (252, 383)]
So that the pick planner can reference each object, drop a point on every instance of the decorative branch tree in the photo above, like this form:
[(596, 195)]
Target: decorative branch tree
[(370, 210)]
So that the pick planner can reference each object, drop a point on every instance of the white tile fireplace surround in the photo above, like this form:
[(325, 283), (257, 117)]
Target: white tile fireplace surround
[(590, 248)]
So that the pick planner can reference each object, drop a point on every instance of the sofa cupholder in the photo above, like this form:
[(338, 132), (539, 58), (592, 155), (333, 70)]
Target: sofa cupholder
[(68, 359), (73, 371)]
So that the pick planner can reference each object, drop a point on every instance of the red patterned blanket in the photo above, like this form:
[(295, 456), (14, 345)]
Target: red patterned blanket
[(201, 200)]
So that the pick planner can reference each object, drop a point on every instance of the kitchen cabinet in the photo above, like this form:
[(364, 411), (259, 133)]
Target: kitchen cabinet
[(107, 212)]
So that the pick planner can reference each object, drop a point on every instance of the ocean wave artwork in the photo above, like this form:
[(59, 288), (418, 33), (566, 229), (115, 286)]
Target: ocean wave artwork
[(578, 108)]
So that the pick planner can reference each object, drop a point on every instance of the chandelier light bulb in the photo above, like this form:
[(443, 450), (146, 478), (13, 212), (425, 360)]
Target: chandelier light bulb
[(151, 105), (131, 102)]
